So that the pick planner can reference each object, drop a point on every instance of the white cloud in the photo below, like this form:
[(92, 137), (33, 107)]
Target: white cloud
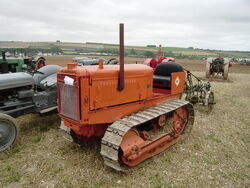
[(214, 24)]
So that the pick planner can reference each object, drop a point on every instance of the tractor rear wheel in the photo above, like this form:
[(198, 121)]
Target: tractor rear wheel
[(8, 132), (208, 70), (226, 69), (39, 63), (112, 61)]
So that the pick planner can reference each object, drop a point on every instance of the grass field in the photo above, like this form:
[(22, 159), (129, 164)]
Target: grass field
[(216, 153)]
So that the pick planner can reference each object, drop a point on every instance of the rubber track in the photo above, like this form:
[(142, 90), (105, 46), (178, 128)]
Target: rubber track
[(115, 132)]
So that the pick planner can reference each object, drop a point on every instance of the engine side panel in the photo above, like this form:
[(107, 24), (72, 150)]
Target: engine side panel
[(104, 93), (15, 80)]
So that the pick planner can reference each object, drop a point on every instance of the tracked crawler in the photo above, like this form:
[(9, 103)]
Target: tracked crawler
[(137, 111), (132, 139)]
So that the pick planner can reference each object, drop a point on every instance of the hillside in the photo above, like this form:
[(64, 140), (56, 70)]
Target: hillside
[(113, 49)]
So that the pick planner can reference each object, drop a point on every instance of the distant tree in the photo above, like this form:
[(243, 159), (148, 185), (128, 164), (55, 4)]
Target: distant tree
[(149, 54), (169, 54), (151, 46), (132, 51), (58, 41), (55, 50)]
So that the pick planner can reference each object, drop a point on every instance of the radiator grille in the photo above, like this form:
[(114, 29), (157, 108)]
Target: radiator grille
[(68, 100)]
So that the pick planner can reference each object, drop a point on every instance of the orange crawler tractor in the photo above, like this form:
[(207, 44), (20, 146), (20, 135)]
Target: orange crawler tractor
[(137, 112)]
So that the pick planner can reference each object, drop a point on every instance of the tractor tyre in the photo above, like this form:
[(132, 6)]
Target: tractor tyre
[(39, 62), (208, 70), (112, 61), (226, 70), (8, 132)]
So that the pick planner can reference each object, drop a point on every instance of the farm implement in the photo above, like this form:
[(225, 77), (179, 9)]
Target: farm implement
[(199, 93), (137, 114)]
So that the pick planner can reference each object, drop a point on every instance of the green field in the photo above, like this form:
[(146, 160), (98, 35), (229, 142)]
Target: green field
[(137, 51)]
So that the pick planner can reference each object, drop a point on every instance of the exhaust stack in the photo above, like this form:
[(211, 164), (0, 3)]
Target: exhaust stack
[(121, 72), (4, 65), (4, 56)]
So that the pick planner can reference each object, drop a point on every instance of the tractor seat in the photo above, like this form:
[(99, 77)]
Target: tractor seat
[(163, 80), (162, 74)]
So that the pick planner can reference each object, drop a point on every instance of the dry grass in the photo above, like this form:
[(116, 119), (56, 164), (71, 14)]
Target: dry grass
[(216, 154), (190, 64)]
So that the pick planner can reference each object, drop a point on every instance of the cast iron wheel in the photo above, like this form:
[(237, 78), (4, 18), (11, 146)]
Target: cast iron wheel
[(210, 101), (208, 70), (8, 132), (184, 96), (225, 73)]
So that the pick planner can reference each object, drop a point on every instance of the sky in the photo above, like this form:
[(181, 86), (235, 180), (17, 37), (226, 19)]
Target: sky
[(207, 24)]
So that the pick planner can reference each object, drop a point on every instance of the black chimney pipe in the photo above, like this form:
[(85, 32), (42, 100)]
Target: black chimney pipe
[(121, 72), (4, 65), (4, 56)]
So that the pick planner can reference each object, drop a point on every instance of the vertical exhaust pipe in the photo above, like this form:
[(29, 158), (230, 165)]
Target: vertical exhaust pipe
[(4, 56), (4, 67), (121, 72)]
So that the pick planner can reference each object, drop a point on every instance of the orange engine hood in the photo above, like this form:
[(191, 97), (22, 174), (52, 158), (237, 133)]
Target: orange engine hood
[(94, 72)]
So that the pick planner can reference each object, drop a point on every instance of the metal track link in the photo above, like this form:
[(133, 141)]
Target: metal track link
[(115, 132)]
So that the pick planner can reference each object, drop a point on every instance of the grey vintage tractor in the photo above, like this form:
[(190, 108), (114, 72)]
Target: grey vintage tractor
[(217, 66), (22, 93), (94, 61)]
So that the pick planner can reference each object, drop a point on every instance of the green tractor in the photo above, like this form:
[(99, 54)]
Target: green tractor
[(16, 64)]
